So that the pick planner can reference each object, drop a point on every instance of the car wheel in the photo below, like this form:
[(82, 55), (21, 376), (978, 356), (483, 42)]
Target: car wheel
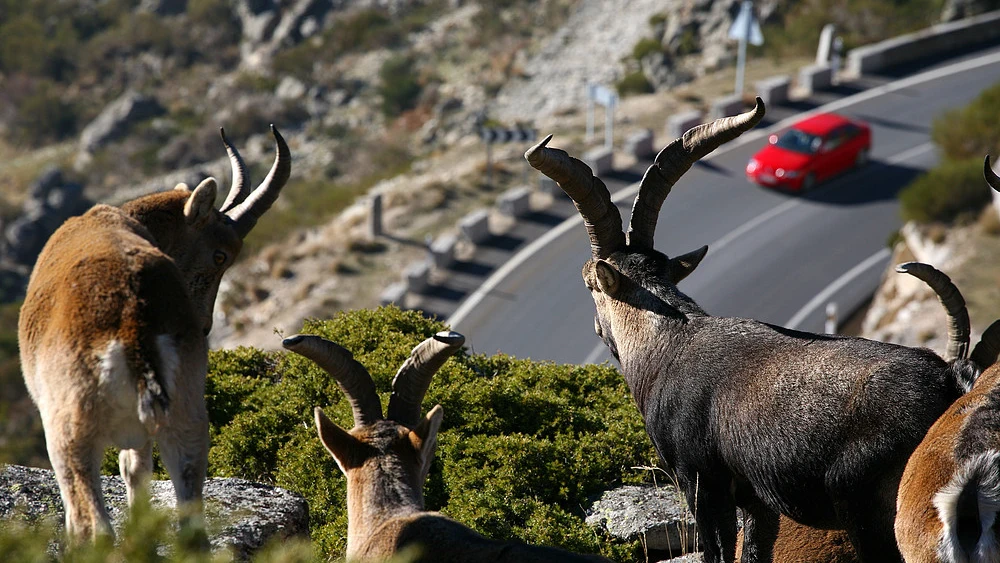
[(861, 159), (809, 182)]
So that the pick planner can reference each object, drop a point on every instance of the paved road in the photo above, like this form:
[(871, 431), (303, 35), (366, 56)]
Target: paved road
[(772, 256)]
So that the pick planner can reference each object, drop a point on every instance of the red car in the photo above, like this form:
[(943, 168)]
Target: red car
[(813, 150)]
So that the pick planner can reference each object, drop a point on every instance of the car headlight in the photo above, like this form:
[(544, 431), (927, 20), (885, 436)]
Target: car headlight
[(752, 165), (782, 173)]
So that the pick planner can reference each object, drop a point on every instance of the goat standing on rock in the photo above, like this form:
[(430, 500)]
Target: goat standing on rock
[(386, 461), (113, 335), (748, 414)]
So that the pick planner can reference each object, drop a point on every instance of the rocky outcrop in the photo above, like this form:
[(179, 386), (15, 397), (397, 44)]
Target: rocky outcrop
[(116, 119), (655, 515), (242, 516), (51, 200)]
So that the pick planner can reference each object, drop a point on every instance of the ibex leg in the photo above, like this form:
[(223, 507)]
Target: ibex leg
[(76, 461), (136, 467)]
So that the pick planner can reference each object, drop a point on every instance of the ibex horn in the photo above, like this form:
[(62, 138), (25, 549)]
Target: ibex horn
[(352, 377), (414, 376), (238, 191), (588, 192), (991, 177), (954, 304), (985, 353), (246, 213), (673, 161)]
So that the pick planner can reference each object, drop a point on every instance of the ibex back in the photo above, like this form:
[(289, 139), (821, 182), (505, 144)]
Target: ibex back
[(772, 420), (113, 334), (386, 461)]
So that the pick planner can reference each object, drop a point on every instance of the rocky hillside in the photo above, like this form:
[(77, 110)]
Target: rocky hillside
[(115, 98)]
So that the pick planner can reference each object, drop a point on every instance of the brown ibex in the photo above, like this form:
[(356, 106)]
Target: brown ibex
[(113, 334), (749, 414), (386, 461), (949, 496)]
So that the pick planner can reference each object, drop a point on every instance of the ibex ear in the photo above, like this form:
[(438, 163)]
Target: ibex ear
[(201, 203), (608, 277), (681, 266), (336, 440), (424, 439)]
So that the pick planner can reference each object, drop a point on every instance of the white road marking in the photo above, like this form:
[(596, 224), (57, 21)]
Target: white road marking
[(524, 254), (822, 297)]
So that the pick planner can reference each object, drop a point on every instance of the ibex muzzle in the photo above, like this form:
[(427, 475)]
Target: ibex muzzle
[(113, 334)]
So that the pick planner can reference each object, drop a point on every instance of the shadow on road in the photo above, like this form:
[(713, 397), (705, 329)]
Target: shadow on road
[(879, 181)]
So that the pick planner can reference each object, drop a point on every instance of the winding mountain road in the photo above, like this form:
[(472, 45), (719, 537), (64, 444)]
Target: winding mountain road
[(772, 256)]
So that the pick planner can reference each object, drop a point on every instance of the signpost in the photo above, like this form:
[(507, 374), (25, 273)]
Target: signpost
[(609, 99), (745, 28), (502, 135)]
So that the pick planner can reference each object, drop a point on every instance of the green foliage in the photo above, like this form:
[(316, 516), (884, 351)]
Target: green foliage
[(634, 83), (398, 85), (953, 190), (644, 47), (971, 131), (657, 19), (522, 447), (42, 115)]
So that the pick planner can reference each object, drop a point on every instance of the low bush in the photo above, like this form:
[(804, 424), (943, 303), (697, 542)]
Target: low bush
[(398, 85), (634, 83), (953, 191), (644, 47), (523, 445), (971, 131)]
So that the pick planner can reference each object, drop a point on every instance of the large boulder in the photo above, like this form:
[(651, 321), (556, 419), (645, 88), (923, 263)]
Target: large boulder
[(657, 515), (241, 516), (117, 118)]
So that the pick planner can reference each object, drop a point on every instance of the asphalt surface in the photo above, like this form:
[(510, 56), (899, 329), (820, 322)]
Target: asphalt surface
[(772, 256)]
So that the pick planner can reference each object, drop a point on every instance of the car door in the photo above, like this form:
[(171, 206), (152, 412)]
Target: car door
[(830, 155)]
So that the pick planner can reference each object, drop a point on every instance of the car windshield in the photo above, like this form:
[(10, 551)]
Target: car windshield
[(798, 141)]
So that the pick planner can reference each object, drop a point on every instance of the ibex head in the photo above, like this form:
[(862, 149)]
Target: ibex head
[(626, 275), (397, 448), (203, 241)]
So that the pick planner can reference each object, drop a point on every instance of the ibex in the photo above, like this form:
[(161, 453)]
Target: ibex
[(949, 496), (113, 333), (386, 461), (748, 414), (801, 544)]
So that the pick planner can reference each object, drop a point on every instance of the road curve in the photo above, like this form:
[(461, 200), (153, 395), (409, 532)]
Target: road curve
[(772, 257)]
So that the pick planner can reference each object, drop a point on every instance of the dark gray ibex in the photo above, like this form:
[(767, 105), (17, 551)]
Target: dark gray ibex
[(749, 414), (386, 460), (113, 334)]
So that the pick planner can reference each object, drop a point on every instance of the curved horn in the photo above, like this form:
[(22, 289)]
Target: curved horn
[(237, 192), (991, 177), (352, 377), (246, 213), (954, 303), (588, 192), (985, 353), (674, 160), (414, 376)]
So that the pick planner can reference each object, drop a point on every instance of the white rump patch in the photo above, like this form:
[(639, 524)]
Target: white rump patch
[(114, 367), (982, 473)]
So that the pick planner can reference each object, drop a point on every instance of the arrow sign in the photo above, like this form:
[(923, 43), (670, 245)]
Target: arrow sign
[(745, 27)]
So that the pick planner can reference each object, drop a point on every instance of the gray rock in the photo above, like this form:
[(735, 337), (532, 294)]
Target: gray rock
[(117, 118), (246, 515), (657, 514), (290, 88)]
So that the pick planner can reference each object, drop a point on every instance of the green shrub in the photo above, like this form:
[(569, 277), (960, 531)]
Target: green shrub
[(522, 447), (43, 116), (644, 47), (634, 83), (951, 191), (398, 85), (971, 131)]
